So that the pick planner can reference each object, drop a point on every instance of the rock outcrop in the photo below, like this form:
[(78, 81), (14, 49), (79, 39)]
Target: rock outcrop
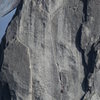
[(7, 5), (51, 51)]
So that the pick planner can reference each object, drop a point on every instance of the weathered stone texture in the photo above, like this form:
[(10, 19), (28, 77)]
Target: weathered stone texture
[(7, 5), (51, 51)]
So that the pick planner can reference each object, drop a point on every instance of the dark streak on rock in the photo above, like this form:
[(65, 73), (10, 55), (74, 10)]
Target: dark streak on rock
[(31, 6), (4, 91), (4, 87), (91, 55), (88, 66), (19, 7), (2, 46), (85, 6), (78, 46)]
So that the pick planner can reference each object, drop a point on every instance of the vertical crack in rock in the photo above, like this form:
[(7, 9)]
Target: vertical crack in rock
[(19, 7), (62, 87), (63, 84), (78, 46), (85, 5), (2, 46), (89, 65)]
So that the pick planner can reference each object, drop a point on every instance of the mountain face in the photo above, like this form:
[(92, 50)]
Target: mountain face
[(51, 51), (7, 5)]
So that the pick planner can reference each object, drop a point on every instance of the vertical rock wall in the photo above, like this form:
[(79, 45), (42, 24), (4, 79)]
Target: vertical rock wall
[(51, 51)]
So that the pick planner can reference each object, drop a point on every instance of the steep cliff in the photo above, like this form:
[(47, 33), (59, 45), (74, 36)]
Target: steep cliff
[(51, 51)]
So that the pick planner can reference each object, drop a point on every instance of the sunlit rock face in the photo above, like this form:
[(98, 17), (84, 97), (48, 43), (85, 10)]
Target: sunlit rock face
[(51, 51), (44, 62), (7, 5)]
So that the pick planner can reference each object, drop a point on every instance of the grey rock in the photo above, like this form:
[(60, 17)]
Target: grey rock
[(7, 5), (51, 51)]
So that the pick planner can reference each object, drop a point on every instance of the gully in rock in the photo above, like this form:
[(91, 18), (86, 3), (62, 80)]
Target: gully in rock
[(85, 6), (78, 46), (91, 55), (89, 65)]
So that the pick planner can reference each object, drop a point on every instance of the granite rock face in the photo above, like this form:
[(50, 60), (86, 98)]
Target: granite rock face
[(51, 51), (7, 5)]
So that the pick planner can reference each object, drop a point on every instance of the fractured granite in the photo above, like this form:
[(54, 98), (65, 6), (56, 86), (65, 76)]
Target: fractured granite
[(51, 51)]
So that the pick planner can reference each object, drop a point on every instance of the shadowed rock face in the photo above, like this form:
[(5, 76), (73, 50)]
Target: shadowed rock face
[(7, 5)]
